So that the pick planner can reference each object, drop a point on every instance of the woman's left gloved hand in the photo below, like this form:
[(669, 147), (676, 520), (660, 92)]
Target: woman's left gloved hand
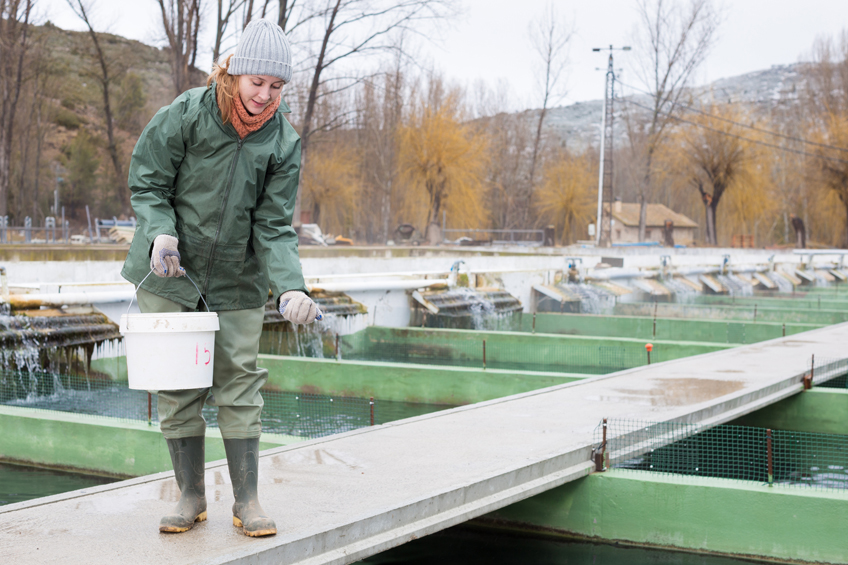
[(298, 308)]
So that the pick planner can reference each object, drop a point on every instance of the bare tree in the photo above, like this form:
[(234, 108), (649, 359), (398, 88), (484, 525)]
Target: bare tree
[(226, 10), (285, 9), (549, 37), (347, 29), (826, 94), (83, 10), (674, 39), (15, 19), (379, 107), (181, 24), (717, 156)]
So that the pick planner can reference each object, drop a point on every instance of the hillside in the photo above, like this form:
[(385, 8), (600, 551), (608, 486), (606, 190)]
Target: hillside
[(578, 125), (71, 123)]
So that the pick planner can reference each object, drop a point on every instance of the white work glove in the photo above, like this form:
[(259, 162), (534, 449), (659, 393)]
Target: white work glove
[(298, 308), (165, 259)]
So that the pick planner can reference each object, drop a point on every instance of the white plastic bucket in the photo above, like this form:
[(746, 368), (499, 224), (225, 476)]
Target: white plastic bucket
[(170, 351)]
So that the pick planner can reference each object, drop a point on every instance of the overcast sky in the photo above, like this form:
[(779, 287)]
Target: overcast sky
[(490, 40)]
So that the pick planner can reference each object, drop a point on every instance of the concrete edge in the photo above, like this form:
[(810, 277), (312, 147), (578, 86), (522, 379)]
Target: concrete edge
[(286, 551), (565, 337), (422, 366)]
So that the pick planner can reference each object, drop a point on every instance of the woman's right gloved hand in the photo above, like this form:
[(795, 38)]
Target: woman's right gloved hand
[(165, 259), (298, 308)]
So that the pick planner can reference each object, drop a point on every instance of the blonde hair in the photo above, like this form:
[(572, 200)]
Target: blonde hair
[(226, 90)]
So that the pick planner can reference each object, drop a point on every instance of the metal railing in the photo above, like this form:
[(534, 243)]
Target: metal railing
[(532, 238), (51, 233), (57, 230)]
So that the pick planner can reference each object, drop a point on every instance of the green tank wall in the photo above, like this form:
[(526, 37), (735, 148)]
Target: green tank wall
[(818, 410), (739, 313), (643, 327), (818, 303), (97, 445), (589, 354), (688, 513), (403, 382)]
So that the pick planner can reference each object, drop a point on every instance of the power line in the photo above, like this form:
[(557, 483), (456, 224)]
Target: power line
[(761, 130), (764, 143)]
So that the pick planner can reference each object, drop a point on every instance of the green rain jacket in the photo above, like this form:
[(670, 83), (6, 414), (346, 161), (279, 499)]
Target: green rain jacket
[(228, 201)]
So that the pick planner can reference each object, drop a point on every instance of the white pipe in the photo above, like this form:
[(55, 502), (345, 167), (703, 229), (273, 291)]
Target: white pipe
[(378, 285), (820, 252), (70, 298)]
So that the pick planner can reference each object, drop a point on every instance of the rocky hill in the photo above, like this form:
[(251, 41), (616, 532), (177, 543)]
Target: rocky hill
[(578, 125)]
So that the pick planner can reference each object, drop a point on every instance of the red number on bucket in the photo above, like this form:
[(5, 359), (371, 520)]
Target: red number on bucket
[(197, 354)]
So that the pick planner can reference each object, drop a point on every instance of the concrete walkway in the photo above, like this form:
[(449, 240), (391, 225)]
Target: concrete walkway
[(342, 498)]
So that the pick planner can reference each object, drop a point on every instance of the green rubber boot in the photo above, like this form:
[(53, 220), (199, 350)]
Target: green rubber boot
[(243, 461), (188, 458)]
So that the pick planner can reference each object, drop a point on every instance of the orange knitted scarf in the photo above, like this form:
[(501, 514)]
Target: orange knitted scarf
[(245, 123)]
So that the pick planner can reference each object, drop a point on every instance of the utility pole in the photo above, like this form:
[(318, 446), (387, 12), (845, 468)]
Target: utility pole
[(603, 231)]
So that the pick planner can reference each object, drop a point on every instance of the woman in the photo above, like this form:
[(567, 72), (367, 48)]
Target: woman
[(214, 178)]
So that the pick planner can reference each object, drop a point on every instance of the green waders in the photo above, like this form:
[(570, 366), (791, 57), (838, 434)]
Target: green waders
[(236, 382)]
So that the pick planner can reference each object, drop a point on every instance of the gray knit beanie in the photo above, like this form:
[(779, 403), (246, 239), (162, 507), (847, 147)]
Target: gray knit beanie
[(262, 50)]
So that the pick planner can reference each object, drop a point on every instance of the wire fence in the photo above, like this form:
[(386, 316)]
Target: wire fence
[(829, 372), (757, 455), (287, 413)]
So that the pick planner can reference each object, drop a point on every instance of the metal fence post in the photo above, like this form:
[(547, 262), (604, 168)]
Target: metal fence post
[(769, 457), (50, 224), (28, 230), (484, 354), (600, 455), (371, 403)]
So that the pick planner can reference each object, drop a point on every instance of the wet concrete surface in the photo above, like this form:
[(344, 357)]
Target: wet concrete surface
[(341, 498)]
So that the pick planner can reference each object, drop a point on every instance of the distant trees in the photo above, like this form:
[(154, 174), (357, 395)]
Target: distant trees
[(567, 196), (549, 36), (717, 157), (15, 42), (181, 25), (105, 78), (827, 100), (388, 143), (442, 162), (340, 31), (673, 40)]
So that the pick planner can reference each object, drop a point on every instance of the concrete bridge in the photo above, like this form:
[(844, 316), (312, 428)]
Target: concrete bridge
[(345, 497)]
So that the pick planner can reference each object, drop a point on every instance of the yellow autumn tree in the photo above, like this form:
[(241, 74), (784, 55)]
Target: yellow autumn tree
[(331, 185), (831, 166), (719, 158), (441, 166), (567, 197)]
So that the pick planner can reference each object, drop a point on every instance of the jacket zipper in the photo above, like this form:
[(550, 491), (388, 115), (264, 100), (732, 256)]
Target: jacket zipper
[(221, 217)]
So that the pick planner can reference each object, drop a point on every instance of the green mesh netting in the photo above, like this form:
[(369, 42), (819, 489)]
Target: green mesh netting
[(289, 413), (777, 457)]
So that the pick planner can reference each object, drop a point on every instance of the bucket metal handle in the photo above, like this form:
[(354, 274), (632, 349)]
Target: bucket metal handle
[(150, 273)]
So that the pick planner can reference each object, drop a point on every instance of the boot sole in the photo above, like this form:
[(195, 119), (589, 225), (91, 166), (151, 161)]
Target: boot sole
[(256, 534), (176, 530)]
